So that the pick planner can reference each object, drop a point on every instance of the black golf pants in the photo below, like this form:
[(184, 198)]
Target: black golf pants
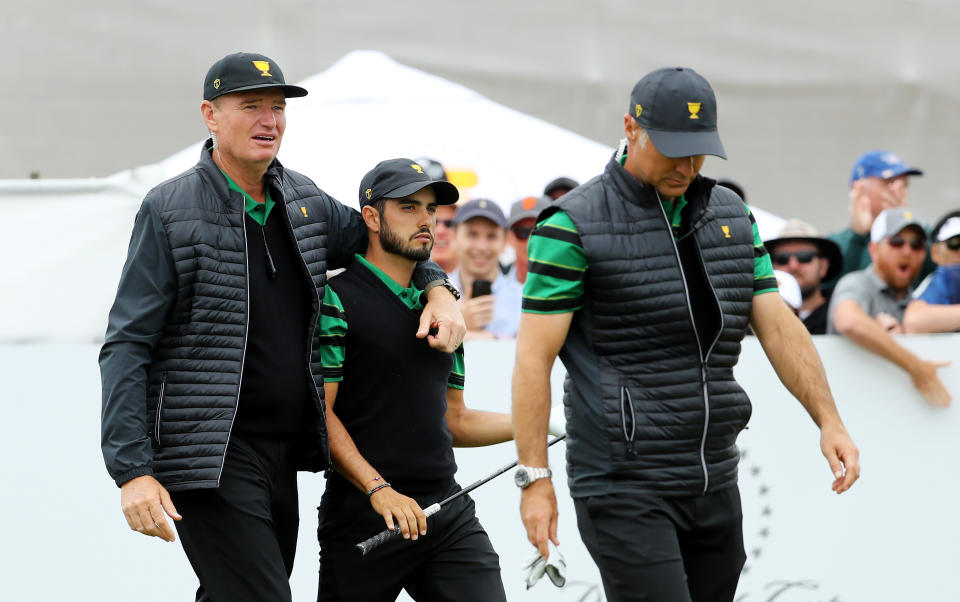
[(241, 538), (653, 549), (453, 562)]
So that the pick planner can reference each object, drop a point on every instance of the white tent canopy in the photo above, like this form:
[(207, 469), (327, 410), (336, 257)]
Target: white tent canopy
[(63, 257)]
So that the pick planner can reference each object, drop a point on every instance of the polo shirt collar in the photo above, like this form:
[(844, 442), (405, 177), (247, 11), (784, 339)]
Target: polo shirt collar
[(410, 296)]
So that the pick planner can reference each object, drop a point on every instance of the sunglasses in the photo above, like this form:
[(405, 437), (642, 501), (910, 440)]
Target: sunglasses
[(916, 244), (953, 243), (783, 258), (522, 232), (449, 223)]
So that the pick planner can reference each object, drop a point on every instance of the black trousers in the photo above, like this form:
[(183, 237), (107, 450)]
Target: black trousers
[(653, 549), (453, 562), (241, 538)]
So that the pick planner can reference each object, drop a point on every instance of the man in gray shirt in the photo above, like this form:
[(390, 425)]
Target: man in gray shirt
[(868, 305)]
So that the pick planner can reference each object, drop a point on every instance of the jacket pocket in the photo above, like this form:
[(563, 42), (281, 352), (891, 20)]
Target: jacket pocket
[(156, 428)]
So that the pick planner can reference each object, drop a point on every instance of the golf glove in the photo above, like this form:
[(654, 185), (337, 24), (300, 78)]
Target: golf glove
[(558, 421), (553, 566)]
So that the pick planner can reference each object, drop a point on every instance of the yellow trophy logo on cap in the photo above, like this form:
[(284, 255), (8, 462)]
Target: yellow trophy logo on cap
[(416, 168), (694, 108), (264, 68), (368, 194), (639, 110)]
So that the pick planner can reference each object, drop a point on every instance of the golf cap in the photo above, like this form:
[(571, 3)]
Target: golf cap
[(399, 178), (891, 222), (562, 182), (527, 207), (242, 71), (881, 164), (484, 208), (947, 227), (677, 108)]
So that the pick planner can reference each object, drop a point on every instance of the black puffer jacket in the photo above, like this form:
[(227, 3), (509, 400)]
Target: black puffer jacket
[(653, 406), (176, 338)]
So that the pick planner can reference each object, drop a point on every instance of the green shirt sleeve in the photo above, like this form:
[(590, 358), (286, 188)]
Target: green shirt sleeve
[(456, 378), (333, 332), (556, 267), (764, 281)]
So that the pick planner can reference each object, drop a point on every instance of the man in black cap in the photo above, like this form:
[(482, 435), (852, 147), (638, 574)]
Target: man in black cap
[(394, 410), (210, 400), (558, 187), (644, 280)]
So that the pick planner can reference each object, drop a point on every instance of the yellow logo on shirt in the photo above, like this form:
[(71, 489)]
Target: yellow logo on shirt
[(303, 210), (726, 231), (694, 108), (264, 68)]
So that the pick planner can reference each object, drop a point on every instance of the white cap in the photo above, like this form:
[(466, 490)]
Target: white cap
[(891, 221), (789, 289), (949, 229)]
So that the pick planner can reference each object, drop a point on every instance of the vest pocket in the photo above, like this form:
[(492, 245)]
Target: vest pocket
[(627, 413), (163, 386)]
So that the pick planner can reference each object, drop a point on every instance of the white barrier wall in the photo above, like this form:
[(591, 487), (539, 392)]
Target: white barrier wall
[(891, 538)]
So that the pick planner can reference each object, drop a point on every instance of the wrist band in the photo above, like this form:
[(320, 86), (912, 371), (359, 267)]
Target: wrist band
[(377, 488), (374, 479)]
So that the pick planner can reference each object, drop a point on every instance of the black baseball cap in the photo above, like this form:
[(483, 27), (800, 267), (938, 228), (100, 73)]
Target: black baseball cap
[(561, 182), (397, 178), (246, 71), (484, 208), (678, 109)]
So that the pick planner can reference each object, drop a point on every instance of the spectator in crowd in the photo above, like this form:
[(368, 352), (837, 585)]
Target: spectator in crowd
[(867, 305), (734, 186), (799, 251), (879, 181), (523, 218), (937, 306), (559, 187), (491, 301)]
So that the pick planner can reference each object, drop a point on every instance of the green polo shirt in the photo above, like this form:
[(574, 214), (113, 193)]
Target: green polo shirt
[(258, 211), (334, 326), (560, 288)]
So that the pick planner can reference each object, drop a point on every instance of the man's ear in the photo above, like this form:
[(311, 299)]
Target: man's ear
[(873, 247), (824, 267), (208, 112), (371, 217)]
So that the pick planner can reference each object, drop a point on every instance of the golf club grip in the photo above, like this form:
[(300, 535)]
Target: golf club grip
[(377, 540)]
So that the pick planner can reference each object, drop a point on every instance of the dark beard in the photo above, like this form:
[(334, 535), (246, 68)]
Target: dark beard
[(392, 243)]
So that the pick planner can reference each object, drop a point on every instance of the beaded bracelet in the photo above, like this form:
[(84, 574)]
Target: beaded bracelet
[(377, 488)]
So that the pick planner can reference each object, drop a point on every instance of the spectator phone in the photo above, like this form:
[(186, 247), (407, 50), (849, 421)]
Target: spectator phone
[(480, 288)]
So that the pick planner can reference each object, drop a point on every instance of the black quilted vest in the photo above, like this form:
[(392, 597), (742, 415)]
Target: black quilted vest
[(651, 407), (195, 376)]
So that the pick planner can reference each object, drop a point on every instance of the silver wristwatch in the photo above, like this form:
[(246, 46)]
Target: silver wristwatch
[(526, 475)]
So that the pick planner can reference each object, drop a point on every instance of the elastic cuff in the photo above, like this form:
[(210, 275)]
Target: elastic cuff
[(132, 474)]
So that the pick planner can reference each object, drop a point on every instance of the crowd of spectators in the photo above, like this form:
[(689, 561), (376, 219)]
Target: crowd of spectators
[(886, 273)]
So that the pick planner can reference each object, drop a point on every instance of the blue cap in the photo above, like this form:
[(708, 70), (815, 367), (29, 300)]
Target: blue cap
[(881, 164)]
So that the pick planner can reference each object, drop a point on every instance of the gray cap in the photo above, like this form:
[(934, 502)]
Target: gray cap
[(529, 206), (678, 109), (892, 221), (484, 208)]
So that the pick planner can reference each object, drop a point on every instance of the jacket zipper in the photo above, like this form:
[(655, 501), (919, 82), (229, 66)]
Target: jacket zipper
[(246, 332), (696, 335), (163, 385)]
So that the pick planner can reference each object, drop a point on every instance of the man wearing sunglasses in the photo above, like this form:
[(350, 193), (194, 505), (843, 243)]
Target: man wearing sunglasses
[(523, 218), (800, 252), (937, 307), (868, 305)]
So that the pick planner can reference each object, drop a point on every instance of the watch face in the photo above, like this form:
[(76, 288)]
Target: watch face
[(520, 478)]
